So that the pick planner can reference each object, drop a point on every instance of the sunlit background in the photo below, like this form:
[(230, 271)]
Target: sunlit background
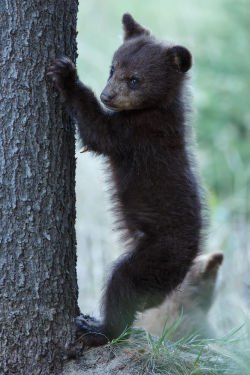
[(218, 34)]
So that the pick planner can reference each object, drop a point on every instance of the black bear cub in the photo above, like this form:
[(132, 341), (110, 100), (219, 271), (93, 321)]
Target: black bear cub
[(144, 135)]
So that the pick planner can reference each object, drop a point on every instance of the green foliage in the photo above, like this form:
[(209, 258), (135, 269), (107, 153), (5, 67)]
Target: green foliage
[(218, 34)]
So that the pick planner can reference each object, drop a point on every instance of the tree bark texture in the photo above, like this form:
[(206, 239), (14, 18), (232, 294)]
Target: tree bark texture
[(38, 288)]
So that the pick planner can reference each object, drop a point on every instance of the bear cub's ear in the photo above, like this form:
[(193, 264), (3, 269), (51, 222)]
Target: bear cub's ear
[(213, 264), (132, 28), (180, 58)]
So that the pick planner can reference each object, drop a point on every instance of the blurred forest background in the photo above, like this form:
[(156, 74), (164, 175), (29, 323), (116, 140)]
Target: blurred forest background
[(218, 34)]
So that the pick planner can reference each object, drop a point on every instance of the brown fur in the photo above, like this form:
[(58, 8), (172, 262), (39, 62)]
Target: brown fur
[(192, 300), (145, 139)]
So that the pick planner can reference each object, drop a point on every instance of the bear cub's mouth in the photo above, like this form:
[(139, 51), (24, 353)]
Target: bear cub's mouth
[(109, 104)]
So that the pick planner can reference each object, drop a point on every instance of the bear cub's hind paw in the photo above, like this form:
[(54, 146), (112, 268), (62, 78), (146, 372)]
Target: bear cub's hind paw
[(90, 331)]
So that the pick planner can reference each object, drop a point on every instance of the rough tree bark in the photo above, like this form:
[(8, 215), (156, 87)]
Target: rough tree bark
[(38, 289)]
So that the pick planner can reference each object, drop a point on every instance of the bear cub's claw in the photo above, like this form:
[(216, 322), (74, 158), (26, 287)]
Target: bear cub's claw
[(90, 331), (87, 323), (63, 73)]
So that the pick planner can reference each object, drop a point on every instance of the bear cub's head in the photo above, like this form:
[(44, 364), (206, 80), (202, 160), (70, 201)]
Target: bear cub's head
[(145, 72)]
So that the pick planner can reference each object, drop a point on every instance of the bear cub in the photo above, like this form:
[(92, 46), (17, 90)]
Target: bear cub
[(143, 132)]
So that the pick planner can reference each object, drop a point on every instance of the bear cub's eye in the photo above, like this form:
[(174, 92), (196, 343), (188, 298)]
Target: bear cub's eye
[(133, 83), (112, 69)]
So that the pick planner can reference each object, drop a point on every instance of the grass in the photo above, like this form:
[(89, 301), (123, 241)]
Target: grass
[(190, 355)]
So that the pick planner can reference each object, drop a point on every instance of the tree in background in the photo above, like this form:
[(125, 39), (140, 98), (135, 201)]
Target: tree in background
[(38, 288)]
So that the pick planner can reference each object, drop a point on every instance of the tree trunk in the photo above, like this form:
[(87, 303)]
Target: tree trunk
[(38, 288)]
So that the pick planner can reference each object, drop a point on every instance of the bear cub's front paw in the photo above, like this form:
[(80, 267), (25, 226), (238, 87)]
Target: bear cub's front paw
[(63, 73)]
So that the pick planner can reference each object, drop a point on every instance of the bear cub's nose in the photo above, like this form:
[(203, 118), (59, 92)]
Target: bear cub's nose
[(107, 97)]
